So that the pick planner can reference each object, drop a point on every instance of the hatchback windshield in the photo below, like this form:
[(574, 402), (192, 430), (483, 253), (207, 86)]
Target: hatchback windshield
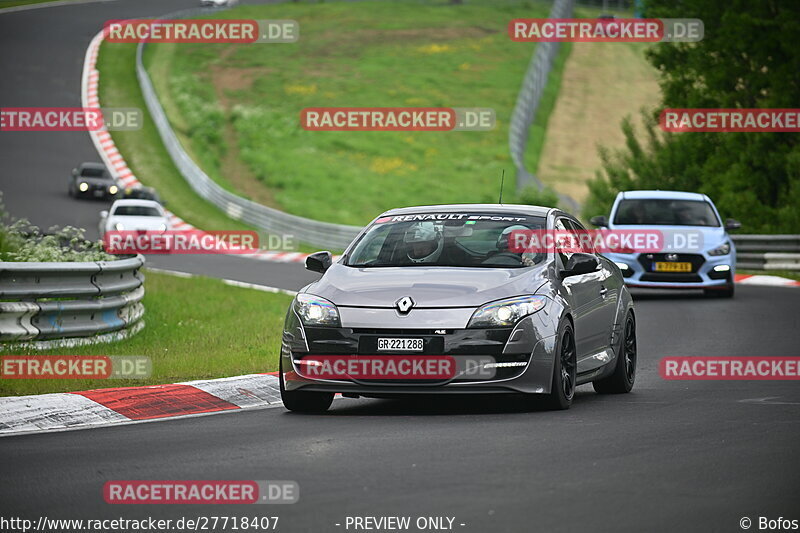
[(91, 172), (444, 239), (136, 211), (665, 212)]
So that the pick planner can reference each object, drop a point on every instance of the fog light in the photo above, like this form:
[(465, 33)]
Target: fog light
[(83, 187), (722, 268)]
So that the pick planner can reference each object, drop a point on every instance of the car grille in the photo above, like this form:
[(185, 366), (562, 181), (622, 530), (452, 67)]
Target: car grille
[(648, 262)]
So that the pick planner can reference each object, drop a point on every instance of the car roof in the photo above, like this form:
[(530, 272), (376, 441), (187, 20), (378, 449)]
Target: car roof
[(666, 195), (532, 210), (90, 164), (136, 202)]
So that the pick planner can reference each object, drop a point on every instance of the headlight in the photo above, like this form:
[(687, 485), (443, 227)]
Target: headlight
[(723, 249), (316, 311), (162, 227), (506, 312), (113, 189), (83, 186), (622, 266), (119, 227)]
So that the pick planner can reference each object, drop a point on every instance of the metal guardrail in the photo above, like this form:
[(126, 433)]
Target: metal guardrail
[(324, 235), (67, 300), (530, 94), (767, 252)]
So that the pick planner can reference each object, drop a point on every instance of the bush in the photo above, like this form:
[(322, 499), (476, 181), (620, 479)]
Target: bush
[(20, 241)]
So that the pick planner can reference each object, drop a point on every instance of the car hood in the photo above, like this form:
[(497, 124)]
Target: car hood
[(137, 223), (427, 286), (708, 238)]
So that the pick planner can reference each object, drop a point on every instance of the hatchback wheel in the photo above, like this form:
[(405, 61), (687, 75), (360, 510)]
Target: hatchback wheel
[(565, 366), (304, 401), (624, 375)]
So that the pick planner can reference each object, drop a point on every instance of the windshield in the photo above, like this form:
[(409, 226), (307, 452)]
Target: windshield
[(95, 173), (665, 212), (444, 239), (136, 211)]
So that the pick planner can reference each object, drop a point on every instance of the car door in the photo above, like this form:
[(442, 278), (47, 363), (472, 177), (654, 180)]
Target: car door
[(589, 298), (604, 314)]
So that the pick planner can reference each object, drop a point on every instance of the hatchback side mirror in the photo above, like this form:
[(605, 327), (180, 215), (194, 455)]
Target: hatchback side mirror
[(732, 224), (104, 214), (581, 263), (74, 171), (319, 262), (599, 221)]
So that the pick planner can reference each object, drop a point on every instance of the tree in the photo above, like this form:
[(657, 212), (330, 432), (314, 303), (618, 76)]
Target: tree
[(749, 58)]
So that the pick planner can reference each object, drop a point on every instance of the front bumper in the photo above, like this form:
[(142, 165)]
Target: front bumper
[(706, 272), (528, 350)]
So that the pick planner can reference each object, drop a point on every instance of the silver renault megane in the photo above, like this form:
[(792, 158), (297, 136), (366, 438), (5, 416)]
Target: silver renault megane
[(444, 284)]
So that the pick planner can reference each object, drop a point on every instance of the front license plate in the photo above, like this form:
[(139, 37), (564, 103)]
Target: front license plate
[(673, 267), (99, 193), (400, 345)]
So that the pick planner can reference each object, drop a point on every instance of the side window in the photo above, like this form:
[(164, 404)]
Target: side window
[(561, 226), (586, 243)]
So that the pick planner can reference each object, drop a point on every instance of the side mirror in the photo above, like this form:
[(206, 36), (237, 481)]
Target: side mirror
[(104, 214), (599, 221), (319, 262), (732, 224), (580, 263), (74, 171)]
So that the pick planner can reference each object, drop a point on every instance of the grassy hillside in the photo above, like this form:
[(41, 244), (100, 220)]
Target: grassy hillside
[(237, 107)]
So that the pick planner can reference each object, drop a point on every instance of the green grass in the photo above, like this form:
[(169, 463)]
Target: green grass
[(14, 3), (143, 149), (237, 106), (196, 328)]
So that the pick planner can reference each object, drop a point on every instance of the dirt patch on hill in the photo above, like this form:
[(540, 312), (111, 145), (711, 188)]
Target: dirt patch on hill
[(602, 83)]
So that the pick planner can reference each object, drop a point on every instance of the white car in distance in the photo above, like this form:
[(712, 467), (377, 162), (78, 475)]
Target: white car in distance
[(134, 215)]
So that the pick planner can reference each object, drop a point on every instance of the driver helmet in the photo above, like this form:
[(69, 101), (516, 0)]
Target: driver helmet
[(502, 240), (424, 242)]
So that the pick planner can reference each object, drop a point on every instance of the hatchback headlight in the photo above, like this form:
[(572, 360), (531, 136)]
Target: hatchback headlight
[(506, 312), (113, 189), (722, 249), (119, 227), (83, 186), (316, 311)]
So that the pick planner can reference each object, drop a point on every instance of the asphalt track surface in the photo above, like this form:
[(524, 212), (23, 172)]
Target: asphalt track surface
[(671, 456)]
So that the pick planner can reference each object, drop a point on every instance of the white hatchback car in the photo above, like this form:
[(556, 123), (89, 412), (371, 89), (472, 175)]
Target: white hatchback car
[(134, 215)]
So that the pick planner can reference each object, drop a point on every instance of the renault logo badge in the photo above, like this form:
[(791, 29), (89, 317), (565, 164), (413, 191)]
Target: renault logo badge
[(404, 304)]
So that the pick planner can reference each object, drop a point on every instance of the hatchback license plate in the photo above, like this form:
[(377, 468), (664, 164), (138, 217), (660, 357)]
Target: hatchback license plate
[(673, 267), (400, 345)]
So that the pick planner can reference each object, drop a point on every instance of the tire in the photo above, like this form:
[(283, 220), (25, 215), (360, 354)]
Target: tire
[(304, 402), (562, 389), (621, 381)]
